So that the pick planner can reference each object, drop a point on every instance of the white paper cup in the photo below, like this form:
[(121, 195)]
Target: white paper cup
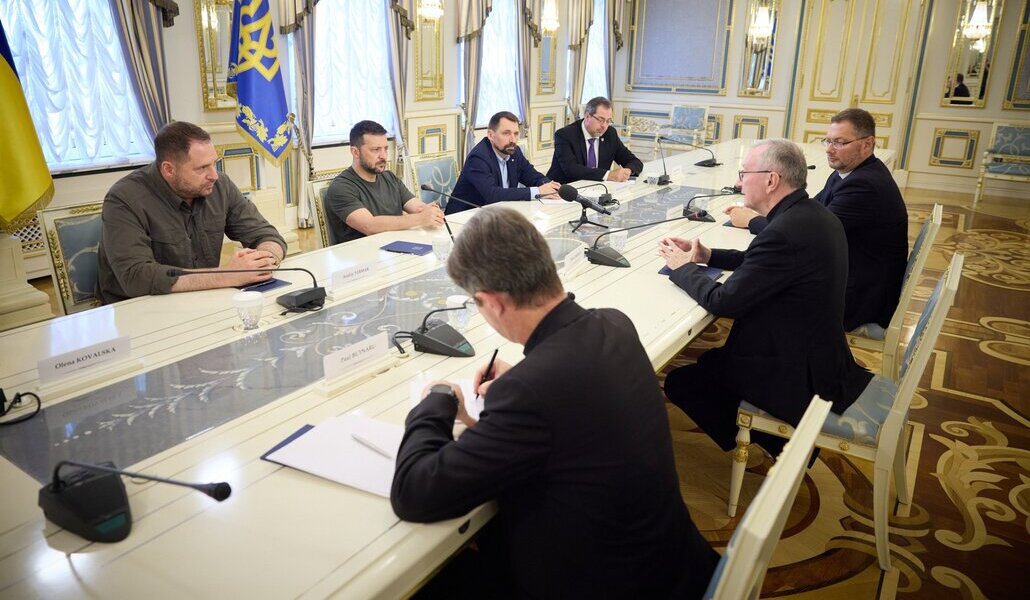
[(249, 306)]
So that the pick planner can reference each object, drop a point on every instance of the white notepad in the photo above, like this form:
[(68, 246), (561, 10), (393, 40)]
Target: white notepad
[(329, 450)]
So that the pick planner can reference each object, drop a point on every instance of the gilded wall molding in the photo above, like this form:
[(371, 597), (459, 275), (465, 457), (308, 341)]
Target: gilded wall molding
[(240, 153), (964, 159), (894, 45), (428, 44), (546, 82), (832, 27), (760, 125)]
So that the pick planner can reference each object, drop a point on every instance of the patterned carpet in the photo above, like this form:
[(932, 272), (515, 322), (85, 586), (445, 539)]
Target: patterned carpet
[(966, 533)]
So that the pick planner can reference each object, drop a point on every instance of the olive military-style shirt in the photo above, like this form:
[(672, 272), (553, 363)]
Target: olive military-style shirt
[(148, 229)]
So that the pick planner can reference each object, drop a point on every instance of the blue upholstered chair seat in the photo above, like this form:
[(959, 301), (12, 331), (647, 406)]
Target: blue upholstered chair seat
[(1009, 168), (871, 330), (861, 422)]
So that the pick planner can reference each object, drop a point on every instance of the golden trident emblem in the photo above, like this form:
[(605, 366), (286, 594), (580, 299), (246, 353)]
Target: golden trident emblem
[(252, 51)]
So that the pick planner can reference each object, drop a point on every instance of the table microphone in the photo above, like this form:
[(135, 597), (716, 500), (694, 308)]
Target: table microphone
[(295, 301), (610, 257), (604, 199), (569, 193), (708, 162), (427, 188), (700, 214), (436, 337), (664, 178), (92, 502)]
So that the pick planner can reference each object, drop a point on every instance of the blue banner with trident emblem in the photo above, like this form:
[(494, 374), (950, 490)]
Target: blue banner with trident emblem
[(254, 72)]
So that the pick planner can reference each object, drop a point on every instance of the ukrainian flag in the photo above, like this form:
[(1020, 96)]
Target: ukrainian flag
[(254, 70), (25, 182)]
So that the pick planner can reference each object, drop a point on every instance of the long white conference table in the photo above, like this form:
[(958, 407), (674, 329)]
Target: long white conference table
[(201, 400)]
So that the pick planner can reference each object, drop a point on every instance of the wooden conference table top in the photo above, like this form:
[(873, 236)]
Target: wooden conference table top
[(200, 400)]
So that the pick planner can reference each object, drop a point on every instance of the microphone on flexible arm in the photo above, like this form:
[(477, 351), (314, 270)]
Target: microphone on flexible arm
[(701, 214), (604, 199), (708, 162), (427, 188), (610, 257), (92, 502), (664, 178), (437, 337), (296, 301), (569, 193)]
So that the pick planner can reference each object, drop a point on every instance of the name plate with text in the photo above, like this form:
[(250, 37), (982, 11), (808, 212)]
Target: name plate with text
[(57, 367), (351, 274), (575, 260), (351, 357)]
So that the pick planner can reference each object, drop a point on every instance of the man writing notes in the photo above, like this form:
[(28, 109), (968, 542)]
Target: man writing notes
[(366, 198), (573, 443), (786, 296), (496, 166), (863, 195), (174, 213), (587, 148)]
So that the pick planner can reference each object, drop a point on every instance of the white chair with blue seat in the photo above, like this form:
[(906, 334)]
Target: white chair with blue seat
[(439, 170), (72, 236), (1008, 157), (873, 337), (687, 127), (742, 568), (873, 427)]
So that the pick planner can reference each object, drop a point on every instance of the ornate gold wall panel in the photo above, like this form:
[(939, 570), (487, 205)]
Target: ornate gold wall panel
[(750, 127), (547, 76), (883, 64), (431, 138), (834, 39), (428, 58), (546, 125), (954, 148), (230, 156)]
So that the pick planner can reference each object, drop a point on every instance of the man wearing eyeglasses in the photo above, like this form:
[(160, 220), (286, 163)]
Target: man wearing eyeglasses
[(786, 296), (863, 195), (587, 148)]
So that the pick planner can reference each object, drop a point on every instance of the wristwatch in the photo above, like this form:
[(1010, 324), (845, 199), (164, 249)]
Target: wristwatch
[(443, 388)]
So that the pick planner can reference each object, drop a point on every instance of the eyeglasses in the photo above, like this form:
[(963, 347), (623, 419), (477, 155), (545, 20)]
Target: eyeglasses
[(600, 120), (740, 174), (838, 144)]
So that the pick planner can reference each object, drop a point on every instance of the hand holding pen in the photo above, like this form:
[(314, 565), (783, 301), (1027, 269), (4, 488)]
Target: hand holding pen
[(494, 369)]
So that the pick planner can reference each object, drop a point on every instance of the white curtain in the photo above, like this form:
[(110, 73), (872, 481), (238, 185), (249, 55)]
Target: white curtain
[(580, 16), (140, 33), (298, 21), (471, 18), (596, 74), (524, 35), (614, 41), (347, 90), (77, 84)]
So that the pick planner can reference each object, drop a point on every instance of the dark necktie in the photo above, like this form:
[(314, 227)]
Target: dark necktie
[(591, 154)]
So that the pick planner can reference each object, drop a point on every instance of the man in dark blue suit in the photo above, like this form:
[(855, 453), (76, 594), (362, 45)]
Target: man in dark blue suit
[(587, 148), (495, 168), (786, 296), (863, 195)]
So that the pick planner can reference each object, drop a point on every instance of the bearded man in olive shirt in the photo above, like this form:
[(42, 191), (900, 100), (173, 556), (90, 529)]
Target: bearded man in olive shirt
[(174, 213)]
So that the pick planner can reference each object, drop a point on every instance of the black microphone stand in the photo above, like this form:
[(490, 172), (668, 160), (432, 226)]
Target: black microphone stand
[(583, 220)]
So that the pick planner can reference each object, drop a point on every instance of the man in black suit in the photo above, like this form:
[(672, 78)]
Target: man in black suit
[(586, 148), (863, 195), (786, 296), (573, 443), (496, 166)]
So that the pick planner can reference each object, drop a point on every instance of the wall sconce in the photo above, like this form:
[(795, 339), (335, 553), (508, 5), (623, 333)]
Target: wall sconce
[(430, 9), (979, 25), (549, 19)]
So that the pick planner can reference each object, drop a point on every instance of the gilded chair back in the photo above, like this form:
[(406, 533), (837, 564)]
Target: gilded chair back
[(317, 188), (72, 237)]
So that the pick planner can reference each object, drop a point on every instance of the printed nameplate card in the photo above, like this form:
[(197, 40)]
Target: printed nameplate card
[(60, 366), (352, 274), (351, 357), (675, 211), (574, 261)]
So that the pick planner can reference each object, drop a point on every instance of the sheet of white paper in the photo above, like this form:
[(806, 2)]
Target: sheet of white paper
[(552, 201), (330, 452)]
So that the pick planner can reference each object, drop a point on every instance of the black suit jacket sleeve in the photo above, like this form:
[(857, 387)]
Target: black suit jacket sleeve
[(439, 478), (483, 178), (851, 205), (625, 157), (565, 158), (767, 270)]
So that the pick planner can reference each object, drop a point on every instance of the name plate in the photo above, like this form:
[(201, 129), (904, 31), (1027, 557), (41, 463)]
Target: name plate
[(574, 261), (351, 357), (60, 366), (675, 211), (352, 274), (617, 240)]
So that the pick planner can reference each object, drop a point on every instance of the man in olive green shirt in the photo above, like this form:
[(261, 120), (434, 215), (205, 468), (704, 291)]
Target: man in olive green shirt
[(173, 213), (366, 198)]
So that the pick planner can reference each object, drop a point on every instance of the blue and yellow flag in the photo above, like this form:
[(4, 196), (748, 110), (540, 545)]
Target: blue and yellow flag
[(258, 80), (25, 182)]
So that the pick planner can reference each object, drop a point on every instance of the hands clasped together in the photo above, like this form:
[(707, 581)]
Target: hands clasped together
[(678, 252)]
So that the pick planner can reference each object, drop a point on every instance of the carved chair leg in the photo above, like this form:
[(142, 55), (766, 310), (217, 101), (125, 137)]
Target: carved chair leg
[(900, 478), (881, 520), (739, 464)]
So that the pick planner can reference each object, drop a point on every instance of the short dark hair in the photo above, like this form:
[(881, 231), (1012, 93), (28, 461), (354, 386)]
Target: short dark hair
[(959, 77), (357, 133), (861, 120), (496, 119), (173, 142), (594, 103), (499, 250)]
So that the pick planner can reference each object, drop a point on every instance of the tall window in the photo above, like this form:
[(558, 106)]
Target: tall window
[(497, 87), (352, 68), (595, 82), (76, 83)]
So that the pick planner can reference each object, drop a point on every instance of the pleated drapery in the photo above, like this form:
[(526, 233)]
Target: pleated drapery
[(140, 32), (401, 24), (298, 21), (471, 18), (580, 16)]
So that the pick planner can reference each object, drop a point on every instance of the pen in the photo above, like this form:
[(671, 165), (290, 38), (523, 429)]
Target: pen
[(486, 373), (371, 446)]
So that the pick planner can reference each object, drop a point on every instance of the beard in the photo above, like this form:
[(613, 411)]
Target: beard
[(187, 190), (377, 167), (508, 150)]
